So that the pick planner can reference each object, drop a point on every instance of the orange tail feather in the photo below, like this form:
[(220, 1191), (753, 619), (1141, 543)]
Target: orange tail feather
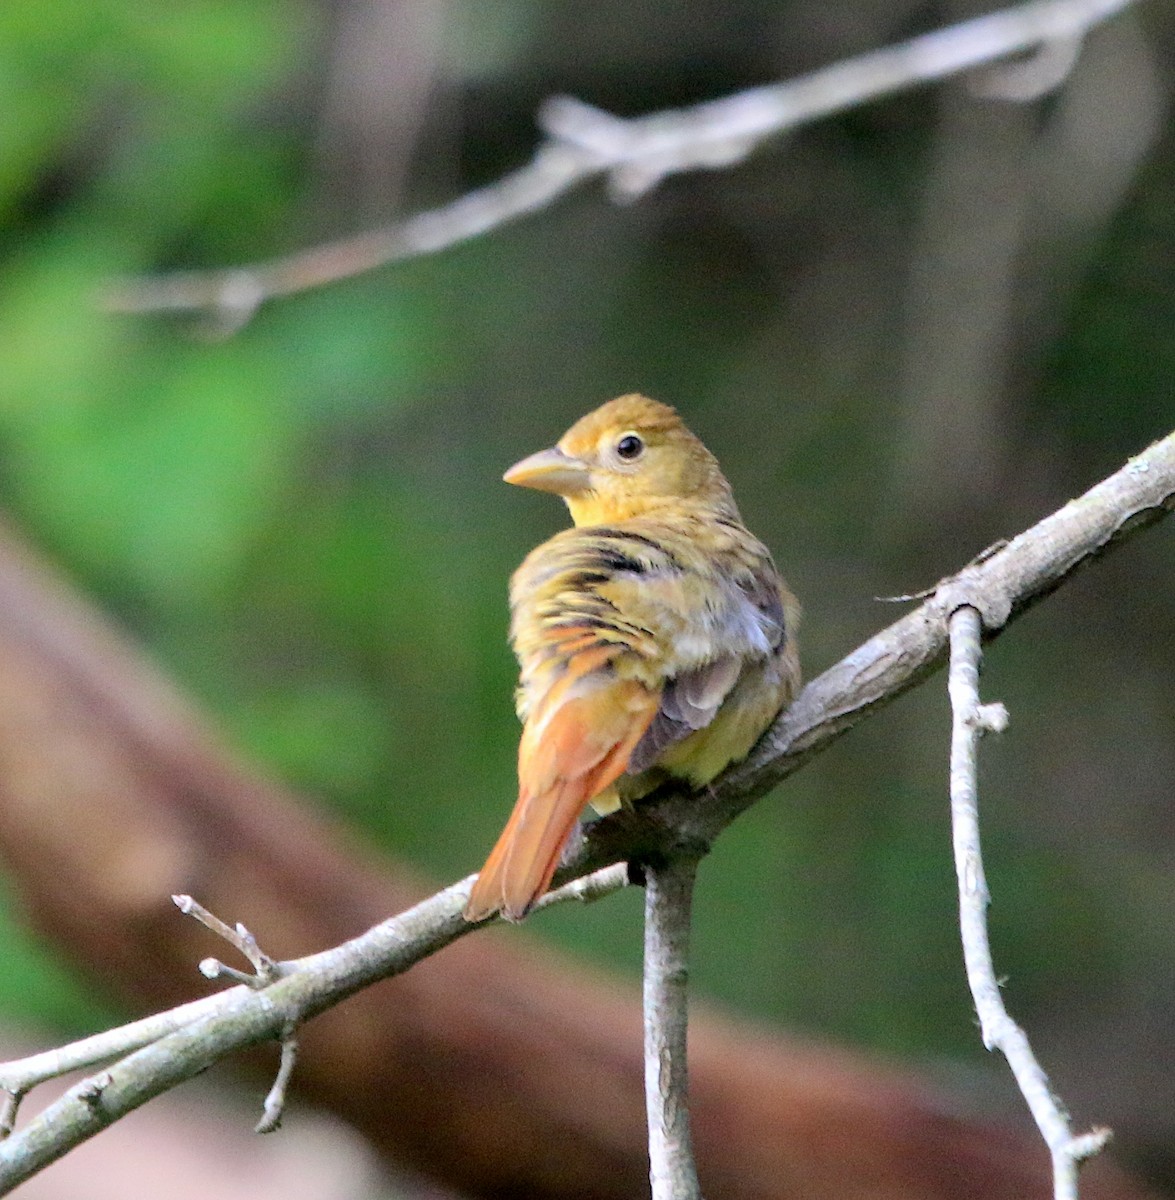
[(559, 772), (521, 864)]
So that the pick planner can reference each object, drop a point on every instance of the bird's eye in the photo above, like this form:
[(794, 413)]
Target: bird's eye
[(629, 447)]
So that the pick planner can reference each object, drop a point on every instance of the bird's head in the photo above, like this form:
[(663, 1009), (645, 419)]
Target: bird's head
[(631, 456)]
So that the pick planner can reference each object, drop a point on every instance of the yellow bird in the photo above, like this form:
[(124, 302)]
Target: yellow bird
[(655, 639)]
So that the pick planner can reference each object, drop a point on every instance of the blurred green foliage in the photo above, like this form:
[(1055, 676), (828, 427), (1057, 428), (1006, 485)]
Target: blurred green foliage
[(304, 520)]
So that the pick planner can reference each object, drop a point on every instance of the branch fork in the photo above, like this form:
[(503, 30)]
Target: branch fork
[(19, 1077), (266, 970)]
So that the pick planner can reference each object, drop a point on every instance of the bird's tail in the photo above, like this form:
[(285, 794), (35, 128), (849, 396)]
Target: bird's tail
[(519, 868), (565, 759)]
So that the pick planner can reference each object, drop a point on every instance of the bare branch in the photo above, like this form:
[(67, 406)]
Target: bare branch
[(20, 1076), (1000, 586), (636, 154), (243, 1017), (669, 888), (396, 944), (970, 721)]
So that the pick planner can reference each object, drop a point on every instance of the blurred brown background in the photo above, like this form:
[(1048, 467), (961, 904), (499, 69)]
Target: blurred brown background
[(906, 332)]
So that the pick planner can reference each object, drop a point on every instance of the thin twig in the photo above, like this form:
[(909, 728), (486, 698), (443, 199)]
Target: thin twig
[(589, 888), (669, 888), (20, 1076), (265, 969), (1030, 567), (970, 721), (636, 154), (275, 1101)]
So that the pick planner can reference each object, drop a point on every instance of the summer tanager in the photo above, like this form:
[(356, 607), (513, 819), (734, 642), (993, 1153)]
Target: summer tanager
[(655, 639)]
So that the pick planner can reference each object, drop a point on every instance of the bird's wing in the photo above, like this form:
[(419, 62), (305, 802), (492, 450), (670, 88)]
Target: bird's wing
[(688, 703), (733, 624)]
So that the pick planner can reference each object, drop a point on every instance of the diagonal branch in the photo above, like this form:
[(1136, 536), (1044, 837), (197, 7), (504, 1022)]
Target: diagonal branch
[(1000, 587), (635, 154)]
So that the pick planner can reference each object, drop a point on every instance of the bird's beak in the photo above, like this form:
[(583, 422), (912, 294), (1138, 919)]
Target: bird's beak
[(550, 471)]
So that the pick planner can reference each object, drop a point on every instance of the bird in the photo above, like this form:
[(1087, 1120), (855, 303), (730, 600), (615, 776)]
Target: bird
[(655, 638)]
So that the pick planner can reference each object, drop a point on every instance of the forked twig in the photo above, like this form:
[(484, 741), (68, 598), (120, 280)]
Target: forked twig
[(265, 969)]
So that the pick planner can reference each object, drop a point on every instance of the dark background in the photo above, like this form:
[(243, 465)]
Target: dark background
[(906, 332)]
